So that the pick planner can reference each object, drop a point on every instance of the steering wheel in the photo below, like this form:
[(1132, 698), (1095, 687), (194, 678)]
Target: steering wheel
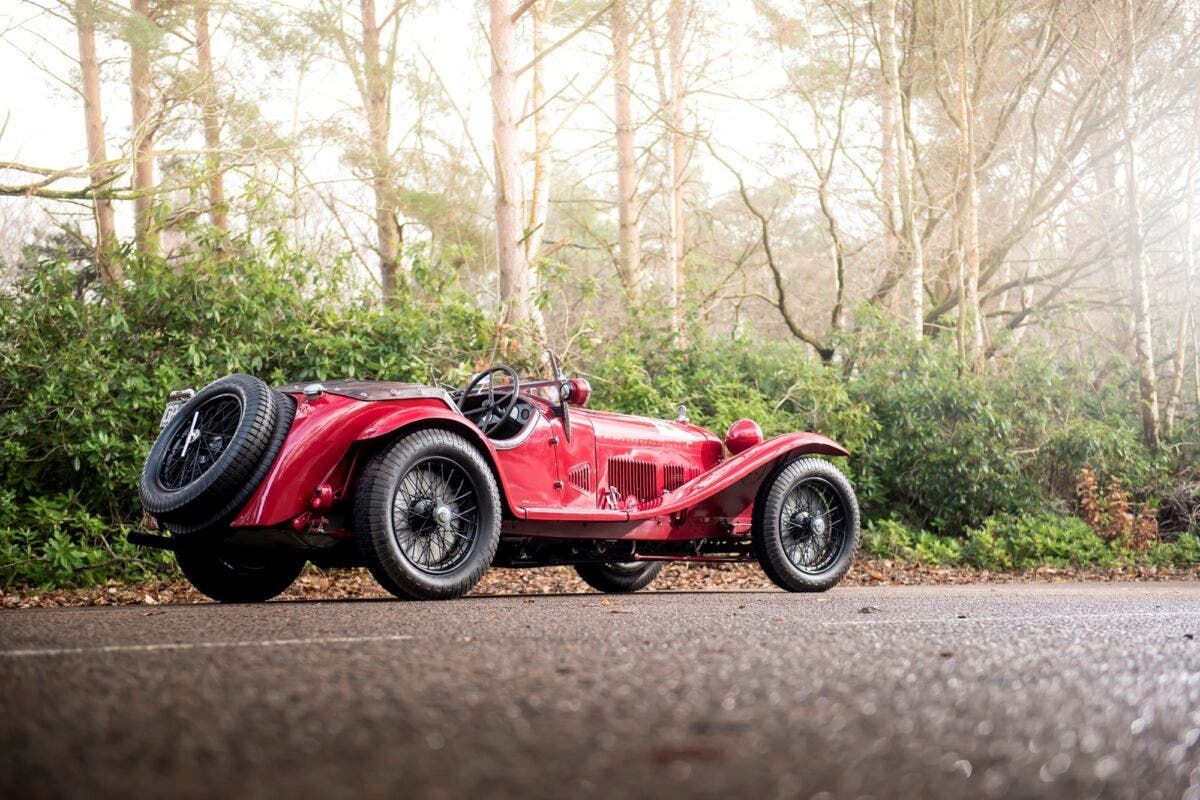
[(495, 409)]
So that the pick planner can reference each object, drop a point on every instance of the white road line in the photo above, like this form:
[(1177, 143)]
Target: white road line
[(166, 646), (880, 618)]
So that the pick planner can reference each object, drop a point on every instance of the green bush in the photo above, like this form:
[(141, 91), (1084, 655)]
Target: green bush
[(1183, 552), (1009, 542), (949, 466), (83, 379), (891, 539), (720, 382), (954, 447), (1012, 541)]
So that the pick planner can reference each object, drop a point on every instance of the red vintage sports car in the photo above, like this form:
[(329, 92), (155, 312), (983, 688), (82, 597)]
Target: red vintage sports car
[(428, 488)]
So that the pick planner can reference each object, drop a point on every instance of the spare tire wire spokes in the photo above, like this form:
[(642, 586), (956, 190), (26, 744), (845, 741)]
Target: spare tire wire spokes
[(197, 446)]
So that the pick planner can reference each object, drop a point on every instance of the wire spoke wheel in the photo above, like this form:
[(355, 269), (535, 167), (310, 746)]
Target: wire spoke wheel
[(199, 444), (812, 522), (805, 529), (427, 515), (435, 515)]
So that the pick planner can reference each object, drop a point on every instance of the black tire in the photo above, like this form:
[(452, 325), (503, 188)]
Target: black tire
[(412, 548), (619, 578), (188, 487), (239, 576), (812, 549), (285, 415)]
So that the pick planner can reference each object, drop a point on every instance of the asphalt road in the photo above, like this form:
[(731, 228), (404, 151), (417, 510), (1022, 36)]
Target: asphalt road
[(1000, 691)]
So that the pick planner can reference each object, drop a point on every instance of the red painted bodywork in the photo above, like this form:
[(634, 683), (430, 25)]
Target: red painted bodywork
[(615, 476)]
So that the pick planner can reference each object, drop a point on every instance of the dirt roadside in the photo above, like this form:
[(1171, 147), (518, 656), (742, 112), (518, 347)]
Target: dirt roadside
[(356, 583)]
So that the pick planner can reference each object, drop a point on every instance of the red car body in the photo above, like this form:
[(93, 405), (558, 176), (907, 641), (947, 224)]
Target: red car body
[(590, 475)]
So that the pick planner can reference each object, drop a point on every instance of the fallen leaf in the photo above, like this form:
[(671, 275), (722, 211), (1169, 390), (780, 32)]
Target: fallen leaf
[(869, 610)]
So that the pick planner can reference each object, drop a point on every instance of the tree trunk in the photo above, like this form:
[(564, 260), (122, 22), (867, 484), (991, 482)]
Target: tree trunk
[(676, 272), (539, 196), (1135, 245), (887, 171), (887, 158), (212, 122), (970, 201), (889, 60), (1189, 264), (143, 137), (516, 296), (629, 243), (377, 86), (106, 237)]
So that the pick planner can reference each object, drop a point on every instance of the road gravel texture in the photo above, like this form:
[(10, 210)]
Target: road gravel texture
[(1029, 690)]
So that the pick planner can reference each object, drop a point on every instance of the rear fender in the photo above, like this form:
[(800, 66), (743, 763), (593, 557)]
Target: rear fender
[(400, 423), (329, 439)]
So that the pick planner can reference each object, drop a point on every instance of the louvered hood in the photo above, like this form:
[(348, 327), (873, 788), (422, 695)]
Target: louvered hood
[(640, 458)]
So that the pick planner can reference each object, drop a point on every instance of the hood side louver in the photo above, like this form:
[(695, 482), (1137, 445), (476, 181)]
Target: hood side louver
[(580, 476)]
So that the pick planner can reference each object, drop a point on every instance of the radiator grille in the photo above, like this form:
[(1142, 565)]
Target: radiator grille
[(633, 477), (580, 476)]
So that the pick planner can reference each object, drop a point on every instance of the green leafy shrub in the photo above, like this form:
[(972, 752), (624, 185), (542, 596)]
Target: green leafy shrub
[(891, 539), (83, 378), (954, 447), (1183, 552), (720, 382), (1012, 541), (936, 450)]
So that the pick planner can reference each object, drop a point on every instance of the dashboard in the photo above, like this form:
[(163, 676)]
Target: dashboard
[(513, 430)]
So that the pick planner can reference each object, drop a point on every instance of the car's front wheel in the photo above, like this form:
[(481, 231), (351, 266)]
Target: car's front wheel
[(427, 516), (239, 576), (630, 576), (805, 528)]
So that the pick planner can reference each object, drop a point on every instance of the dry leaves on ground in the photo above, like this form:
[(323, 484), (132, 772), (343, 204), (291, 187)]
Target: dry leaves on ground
[(355, 584)]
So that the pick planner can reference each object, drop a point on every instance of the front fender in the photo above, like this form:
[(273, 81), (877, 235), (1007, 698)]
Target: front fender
[(737, 468)]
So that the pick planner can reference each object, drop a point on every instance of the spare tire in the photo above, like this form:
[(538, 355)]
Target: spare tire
[(209, 459), (285, 414)]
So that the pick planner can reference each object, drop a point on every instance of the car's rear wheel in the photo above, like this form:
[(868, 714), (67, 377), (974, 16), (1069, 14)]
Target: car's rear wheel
[(241, 575), (210, 458), (619, 577), (427, 516), (805, 529)]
